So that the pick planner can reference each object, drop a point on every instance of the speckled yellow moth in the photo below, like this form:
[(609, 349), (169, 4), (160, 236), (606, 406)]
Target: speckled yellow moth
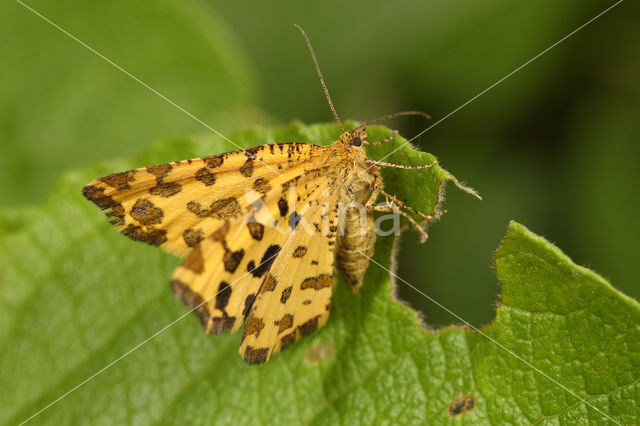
[(260, 229)]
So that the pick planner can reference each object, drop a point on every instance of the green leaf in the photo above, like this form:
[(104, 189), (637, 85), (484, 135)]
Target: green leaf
[(64, 107), (76, 296)]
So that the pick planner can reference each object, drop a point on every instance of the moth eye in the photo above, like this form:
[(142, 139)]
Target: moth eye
[(356, 141)]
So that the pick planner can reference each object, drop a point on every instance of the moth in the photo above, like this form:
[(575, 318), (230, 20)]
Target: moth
[(260, 229)]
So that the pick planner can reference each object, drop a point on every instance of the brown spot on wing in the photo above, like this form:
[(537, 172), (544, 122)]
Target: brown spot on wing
[(286, 293), (195, 261), (223, 295), (256, 230), (262, 185), (300, 251), (265, 264), (160, 171), (309, 326), (151, 236), (248, 303), (162, 188), (219, 325), (283, 206), (196, 208), (145, 212), (284, 323), (269, 284), (96, 195), (253, 326), (287, 340), (254, 356), (225, 208), (220, 233), (213, 162), (205, 176), (192, 237), (317, 283), (119, 181), (232, 259), (166, 189), (191, 299), (246, 169)]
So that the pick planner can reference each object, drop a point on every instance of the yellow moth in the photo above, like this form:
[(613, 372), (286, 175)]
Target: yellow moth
[(260, 229)]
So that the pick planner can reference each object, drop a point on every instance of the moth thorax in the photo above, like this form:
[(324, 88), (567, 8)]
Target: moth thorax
[(356, 236), (359, 187)]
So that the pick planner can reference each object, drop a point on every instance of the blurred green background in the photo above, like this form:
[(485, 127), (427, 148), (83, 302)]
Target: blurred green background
[(555, 146)]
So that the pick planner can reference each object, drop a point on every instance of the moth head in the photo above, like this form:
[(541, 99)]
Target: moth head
[(354, 137)]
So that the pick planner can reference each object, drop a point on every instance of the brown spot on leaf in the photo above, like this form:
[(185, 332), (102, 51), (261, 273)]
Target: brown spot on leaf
[(256, 230), (232, 259), (300, 251), (195, 261), (205, 176), (145, 212), (317, 283), (462, 405), (192, 237), (306, 302), (315, 354), (119, 181)]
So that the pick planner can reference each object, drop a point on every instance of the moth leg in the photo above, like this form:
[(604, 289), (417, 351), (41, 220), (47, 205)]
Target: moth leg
[(389, 139), (377, 187), (411, 209), (389, 208)]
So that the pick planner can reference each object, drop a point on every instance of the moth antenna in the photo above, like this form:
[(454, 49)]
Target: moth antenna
[(394, 115), (401, 166), (324, 86)]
